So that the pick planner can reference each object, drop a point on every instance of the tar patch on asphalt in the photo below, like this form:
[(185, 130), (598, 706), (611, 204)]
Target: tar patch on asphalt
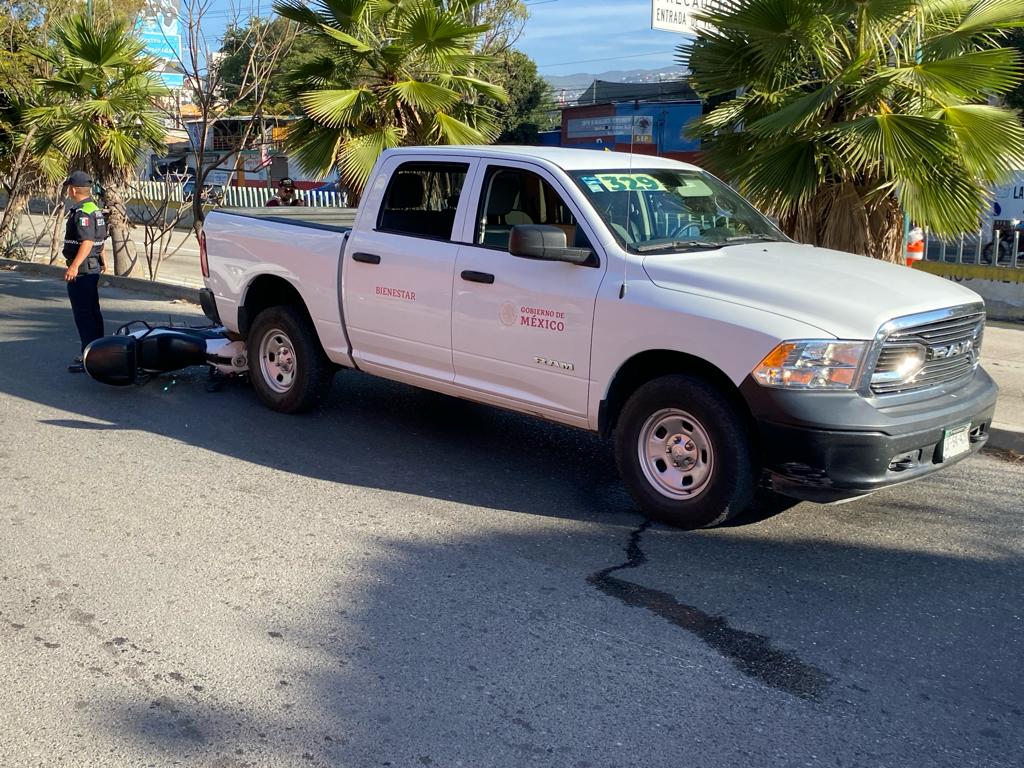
[(750, 653)]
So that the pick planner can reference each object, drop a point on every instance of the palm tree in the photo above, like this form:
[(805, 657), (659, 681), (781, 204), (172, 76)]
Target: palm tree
[(399, 72), (843, 114), (99, 111)]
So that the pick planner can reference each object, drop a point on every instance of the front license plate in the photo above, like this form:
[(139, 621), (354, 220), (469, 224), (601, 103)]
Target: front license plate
[(956, 441)]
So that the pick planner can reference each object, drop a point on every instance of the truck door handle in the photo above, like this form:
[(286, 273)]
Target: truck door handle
[(366, 258), (478, 277)]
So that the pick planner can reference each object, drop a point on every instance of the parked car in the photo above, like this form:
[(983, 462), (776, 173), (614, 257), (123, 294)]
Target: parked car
[(636, 297)]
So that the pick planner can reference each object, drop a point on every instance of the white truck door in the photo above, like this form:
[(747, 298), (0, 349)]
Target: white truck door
[(522, 328), (398, 269)]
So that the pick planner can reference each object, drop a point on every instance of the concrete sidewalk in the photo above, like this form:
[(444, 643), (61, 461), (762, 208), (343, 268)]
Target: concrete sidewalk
[(1002, 352)]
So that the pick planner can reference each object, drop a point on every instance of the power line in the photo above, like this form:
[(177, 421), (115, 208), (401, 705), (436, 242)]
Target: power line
[(605, 58)]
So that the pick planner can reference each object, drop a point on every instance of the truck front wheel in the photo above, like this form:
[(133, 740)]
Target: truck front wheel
[(288, 368), (684, 453)]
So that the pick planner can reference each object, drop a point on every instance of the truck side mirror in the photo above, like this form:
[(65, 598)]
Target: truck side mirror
[(543, 241)]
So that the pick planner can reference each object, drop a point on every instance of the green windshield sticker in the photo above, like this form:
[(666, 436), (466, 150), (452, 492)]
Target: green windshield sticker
[(621, 182)]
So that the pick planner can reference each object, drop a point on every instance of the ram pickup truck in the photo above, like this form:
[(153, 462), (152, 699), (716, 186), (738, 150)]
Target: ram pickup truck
[(633, 296)]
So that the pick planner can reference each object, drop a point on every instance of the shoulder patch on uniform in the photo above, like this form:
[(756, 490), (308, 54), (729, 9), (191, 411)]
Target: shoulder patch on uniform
[(90, 207)]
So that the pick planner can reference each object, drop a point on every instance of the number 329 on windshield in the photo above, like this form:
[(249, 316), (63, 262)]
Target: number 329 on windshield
[(621, 182)]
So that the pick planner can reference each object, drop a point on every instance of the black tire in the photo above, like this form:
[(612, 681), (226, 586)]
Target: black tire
[(303, 375), (728, 478)]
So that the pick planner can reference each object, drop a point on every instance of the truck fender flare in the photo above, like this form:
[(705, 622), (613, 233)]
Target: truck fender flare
[(267, 291), (650, 364)]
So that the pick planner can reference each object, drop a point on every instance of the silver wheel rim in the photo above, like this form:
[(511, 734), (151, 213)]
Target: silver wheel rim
[(277, 360), (675, 454)]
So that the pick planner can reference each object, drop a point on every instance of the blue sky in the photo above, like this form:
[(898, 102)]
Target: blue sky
[(567, 36), (562, 36)]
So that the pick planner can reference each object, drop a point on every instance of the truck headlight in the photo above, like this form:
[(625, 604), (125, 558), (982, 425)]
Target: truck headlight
[(812, 364)]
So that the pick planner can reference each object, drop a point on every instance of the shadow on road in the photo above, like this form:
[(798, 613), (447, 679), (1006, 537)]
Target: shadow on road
[(430, 659)]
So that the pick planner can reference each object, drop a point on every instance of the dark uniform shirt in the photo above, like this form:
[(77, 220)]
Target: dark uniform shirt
[(276, 200), (85, 222)]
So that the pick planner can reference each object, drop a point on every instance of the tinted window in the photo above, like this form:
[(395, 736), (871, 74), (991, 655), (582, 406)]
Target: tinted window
[(421, 199), (513, 196)]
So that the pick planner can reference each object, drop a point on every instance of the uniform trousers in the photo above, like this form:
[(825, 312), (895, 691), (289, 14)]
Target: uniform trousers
[(85, 304)]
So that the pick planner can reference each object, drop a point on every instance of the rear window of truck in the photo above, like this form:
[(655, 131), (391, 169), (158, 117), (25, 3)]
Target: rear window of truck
[(421, 199)]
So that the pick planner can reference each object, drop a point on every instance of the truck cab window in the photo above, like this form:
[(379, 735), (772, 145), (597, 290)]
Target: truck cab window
[(421, 200), (513, 196)]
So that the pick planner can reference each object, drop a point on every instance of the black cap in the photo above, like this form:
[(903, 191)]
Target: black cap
[(79, 179), (286, 182)]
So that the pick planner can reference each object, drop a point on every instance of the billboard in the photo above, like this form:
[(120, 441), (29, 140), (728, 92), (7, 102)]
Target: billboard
[(159, 29), (677, 15)]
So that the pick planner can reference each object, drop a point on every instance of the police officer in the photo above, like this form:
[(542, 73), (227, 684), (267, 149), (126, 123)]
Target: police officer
[(84, 234)]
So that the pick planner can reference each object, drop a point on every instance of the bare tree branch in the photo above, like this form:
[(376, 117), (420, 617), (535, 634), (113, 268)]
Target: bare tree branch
[(198, 62)]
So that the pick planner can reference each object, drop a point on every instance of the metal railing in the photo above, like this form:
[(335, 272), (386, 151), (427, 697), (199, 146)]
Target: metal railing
[(977, 248)]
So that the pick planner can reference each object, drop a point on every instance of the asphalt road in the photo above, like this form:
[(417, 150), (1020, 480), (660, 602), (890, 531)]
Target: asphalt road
[(409, 580)]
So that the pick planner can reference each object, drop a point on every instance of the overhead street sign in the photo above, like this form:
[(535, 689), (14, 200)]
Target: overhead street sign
[(678, 15)]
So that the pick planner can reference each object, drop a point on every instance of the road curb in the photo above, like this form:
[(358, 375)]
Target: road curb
[(1006, 438), (134, 284)]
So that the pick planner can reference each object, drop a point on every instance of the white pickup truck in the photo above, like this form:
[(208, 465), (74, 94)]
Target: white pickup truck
[(629, 295)]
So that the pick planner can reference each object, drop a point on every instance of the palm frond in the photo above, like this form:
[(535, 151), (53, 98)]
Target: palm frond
[(450, 130), (990, 140), (358, 155), (336, 108), (424, 96)]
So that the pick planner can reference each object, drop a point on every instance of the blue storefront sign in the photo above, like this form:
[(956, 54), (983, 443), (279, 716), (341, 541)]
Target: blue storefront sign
[(662, 124)]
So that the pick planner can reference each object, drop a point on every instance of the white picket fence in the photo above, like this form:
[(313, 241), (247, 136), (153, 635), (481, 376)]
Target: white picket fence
[(235, 197)]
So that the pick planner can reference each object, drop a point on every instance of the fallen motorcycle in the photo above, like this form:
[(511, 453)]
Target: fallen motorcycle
[(138, 350)]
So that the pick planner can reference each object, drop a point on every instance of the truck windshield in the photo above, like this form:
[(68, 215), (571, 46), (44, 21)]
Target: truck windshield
[(652, 210)]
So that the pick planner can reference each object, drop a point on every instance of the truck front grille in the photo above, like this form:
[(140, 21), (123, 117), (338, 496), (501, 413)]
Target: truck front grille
[(928, 350)]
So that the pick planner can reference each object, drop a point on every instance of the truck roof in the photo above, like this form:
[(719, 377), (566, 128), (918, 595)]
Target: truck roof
[(567, 158)]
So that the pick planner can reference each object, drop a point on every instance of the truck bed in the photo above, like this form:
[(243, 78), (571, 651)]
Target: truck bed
[(337, 219), (270, 250)]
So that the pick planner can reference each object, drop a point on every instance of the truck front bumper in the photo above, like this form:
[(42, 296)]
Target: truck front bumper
[(828, 447)]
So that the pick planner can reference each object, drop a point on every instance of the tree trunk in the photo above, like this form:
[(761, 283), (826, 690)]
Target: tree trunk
[(16, 203), (840, 218), (117, 222), (57, 229), (885, 219)]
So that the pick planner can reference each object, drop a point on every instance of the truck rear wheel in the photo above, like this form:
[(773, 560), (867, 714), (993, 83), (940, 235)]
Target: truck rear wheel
[(288, 368), (684, 453)]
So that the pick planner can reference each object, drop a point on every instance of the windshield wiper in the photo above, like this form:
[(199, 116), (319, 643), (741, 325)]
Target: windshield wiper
[(676, 245), (752, 236)]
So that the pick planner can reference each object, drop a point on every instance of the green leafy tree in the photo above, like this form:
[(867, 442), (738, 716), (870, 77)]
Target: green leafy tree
[(24, 24), (98, 111), (851, 113), (398, 73), (240, 44), (529, 96), (24, 171)]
